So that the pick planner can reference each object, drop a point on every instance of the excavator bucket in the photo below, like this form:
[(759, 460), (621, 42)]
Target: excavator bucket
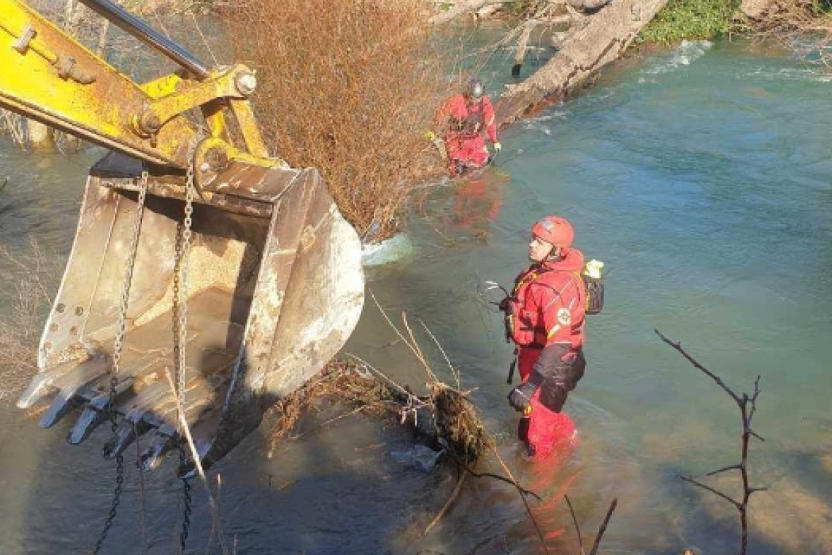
[(274, 289)]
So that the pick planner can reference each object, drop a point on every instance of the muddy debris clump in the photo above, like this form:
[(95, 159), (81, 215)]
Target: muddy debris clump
[(443, 419)]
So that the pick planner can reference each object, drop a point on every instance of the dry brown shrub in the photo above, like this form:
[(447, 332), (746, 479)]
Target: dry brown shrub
[(804, 26), (349, 87), (24, 282)]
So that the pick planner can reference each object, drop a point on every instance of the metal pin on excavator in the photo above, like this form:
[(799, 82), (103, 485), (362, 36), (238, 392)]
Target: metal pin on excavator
[(272, 284)]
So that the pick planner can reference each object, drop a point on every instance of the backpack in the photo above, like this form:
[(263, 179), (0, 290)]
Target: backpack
[(591, 276)]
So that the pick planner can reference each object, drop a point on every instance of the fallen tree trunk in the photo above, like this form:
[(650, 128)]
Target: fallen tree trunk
[(605, 36), (588, 5), (461, 7)]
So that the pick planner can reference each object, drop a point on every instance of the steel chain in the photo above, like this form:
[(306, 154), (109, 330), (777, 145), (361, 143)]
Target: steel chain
[(183, 279), (180, 332), (118, 345)]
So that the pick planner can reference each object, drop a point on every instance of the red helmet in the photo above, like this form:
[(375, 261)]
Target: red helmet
[(555, 230)]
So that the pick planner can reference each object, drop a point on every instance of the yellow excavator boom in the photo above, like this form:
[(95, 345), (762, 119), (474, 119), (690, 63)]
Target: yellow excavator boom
[(179, 225)]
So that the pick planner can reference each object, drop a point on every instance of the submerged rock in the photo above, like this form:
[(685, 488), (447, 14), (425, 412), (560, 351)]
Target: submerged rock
[(419, 456)]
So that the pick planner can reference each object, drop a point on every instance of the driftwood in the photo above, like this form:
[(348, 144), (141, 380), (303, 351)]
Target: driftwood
[(585, 51)]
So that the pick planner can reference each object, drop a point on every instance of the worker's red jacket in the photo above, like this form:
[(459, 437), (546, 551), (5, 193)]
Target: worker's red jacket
[(550, 304), (469, 118)]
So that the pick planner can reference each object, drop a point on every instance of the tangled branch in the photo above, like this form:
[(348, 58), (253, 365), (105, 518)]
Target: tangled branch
[(747, 406)]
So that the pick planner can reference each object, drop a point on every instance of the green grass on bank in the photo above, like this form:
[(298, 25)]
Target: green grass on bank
[(689, 19)]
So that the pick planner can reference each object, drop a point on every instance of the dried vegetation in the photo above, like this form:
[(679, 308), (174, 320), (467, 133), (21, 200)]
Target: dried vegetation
[(445, 417), (805, 26), (24, 284), (348, 87)]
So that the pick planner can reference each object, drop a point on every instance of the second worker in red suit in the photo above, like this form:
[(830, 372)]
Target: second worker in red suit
[(545, 318), (467, 115)]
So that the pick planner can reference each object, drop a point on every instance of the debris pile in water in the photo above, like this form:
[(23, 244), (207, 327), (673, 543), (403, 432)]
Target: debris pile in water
[(457, 422), (445, 416)]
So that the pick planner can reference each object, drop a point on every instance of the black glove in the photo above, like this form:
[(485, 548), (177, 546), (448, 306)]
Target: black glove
[(521, 396)]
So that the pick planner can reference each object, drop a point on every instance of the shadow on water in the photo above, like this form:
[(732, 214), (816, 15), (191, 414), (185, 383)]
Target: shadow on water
[(334, 489), (789, 517)]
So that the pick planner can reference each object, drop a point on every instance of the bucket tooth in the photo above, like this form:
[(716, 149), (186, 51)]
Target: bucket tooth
[(136, 407), (39, 388), (69, 376), (65, 402), (89, 420), (188, 470), (137, 416), (126, 434), (198, 399), (101, 402), (94, 414), (155, 453), (43, 385)]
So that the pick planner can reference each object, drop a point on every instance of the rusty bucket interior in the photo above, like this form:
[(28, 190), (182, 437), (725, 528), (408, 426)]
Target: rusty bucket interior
[(274, 287)]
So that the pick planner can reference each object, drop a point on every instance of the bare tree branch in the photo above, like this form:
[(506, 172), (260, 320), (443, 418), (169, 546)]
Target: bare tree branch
[(727, 468), (575, 522), (603, 527), (714, 377), (755, 434), (712, 490), (754, 398), (448, 503)]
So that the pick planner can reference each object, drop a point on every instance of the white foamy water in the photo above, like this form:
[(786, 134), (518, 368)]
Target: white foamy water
[(686, 53), (395, 250), (807, 74)]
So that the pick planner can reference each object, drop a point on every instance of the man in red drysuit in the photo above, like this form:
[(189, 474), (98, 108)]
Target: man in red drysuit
[(467, 115), (545, 317)]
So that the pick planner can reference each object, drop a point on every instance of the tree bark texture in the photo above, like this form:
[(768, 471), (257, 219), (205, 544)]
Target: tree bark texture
[(606, 34)]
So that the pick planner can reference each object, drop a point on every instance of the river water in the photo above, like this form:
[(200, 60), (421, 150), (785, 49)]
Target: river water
[(701, 176)]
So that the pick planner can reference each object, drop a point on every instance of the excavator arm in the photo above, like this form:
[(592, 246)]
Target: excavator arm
[(207, 280), (47, 75)]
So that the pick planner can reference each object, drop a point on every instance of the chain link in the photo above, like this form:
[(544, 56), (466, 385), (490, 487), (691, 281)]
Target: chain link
[(118, 346), (186, 514)]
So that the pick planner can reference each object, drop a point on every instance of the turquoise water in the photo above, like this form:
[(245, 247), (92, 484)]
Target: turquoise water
[(701, 176)]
